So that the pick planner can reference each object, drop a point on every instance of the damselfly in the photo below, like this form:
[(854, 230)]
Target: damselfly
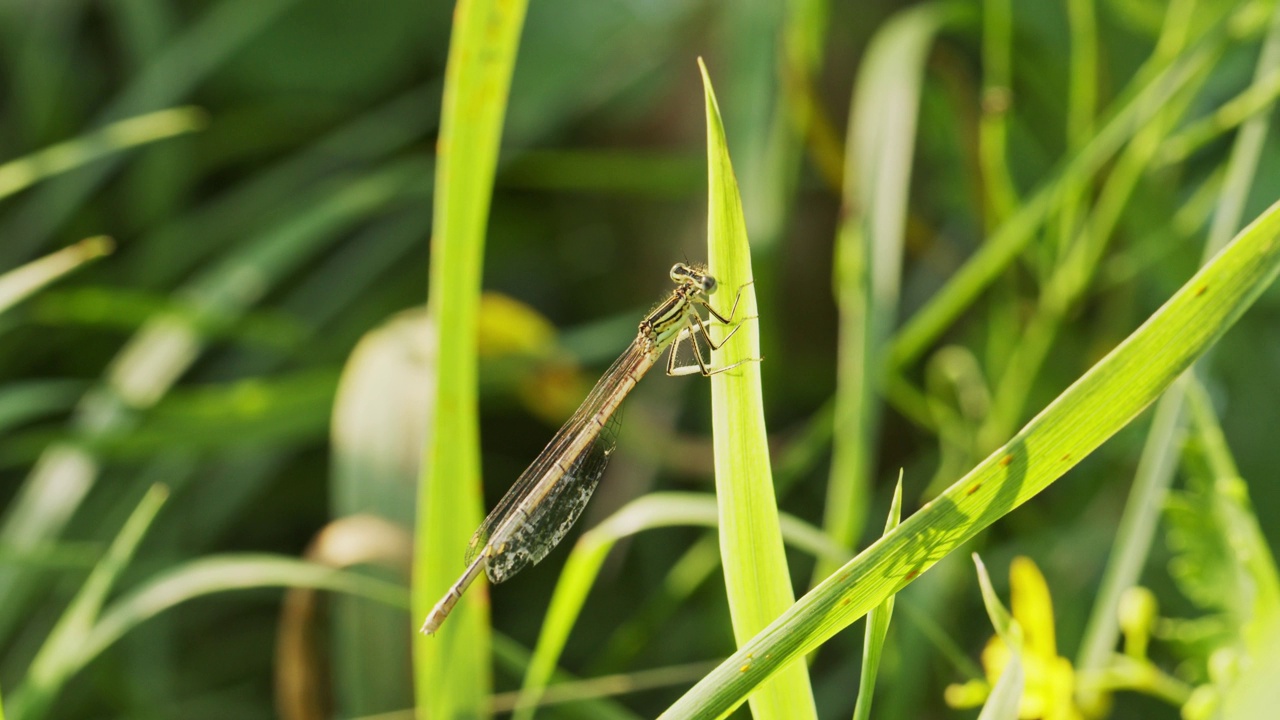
[(547, 498)]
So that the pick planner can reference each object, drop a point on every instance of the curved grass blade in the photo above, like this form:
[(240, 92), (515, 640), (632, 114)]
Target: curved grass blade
[(755, 566), (1006, 696), (452, 670), (656, 510), (1097, 406), (62, 652), (380, 417)]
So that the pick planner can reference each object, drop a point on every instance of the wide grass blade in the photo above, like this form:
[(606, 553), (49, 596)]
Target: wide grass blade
[(755, 566), (1097, 406), (451, 669), (380, 418)]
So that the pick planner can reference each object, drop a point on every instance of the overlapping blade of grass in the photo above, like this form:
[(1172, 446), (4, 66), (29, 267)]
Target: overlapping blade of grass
[(877, 628), (869, 241), (1159, 453), (755, 566), (149, 364), (1097, 406), (451, 669), (656, 510), (57, 658), (117, 137), (21, 282)]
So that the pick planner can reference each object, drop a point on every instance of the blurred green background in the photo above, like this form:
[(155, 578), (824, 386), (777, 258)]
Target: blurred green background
[(253, 253)]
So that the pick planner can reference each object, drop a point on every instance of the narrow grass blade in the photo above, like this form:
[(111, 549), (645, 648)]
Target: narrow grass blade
[(1001, 196), (63, 652), (755, 566), (877, 627), (451, 669), (1097, 406), (604, 686), (656, 510), (28, 170), (1006, 696), (869, 242), (23, 281), (512, 658)]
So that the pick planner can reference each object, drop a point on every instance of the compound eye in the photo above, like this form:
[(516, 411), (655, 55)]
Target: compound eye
[(679, 272), (708, 284)]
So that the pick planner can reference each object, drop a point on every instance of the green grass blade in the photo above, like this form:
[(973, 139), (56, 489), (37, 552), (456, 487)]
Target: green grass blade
[(28, 170), (877, 627), (21, 282), (755, 566), (869, 242), (451, 669), (1001, 196), (62, 653), (1094, 408), (652, 511)]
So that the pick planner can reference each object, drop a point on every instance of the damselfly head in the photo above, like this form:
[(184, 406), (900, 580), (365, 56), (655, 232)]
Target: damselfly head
[(696, 276)]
